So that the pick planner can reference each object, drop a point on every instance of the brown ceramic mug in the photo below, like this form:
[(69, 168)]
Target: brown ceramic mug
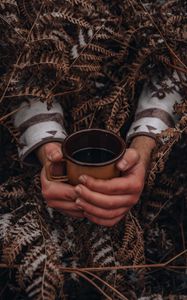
[(92, 152)]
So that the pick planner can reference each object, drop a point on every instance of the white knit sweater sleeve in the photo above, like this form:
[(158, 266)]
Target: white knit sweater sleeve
[(153, 113), (38, 125)]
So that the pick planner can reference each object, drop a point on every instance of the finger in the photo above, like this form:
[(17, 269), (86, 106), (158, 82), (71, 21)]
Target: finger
[(53, 151), (56, 190), (105, 201), (104, 222), (116, 186), (63, 205), (129, 160), (100, 212), (72, 213)]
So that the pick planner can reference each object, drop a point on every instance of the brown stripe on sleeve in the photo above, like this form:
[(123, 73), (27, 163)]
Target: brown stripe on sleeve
[(56, 117), (161, 114)]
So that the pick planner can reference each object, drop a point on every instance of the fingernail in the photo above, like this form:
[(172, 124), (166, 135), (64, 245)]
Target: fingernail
[(54, 154), (123, 164), (78, 189), (83, 178), (78, 203)]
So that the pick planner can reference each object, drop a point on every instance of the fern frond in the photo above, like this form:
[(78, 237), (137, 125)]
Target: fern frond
[(180, 108), (5, 3), (117, 92), (90, 57), (28, 11), (136, 66), (17, 192), (8, 23), (30, 92), (43, 38), (112, 32), (32, 262), (114, 113), (20, 236), (133, 241), (46, 286), (34, 289), (12, 192), (5, 223), (79, 111), (55, 60), (96, 48), (87, 68), (174, 20), (63, 14)]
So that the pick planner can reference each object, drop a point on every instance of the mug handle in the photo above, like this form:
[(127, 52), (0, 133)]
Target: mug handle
[(50, 177)]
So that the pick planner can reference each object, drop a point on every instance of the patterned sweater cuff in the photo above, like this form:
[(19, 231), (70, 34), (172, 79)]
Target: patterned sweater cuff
[(150, 122), (153, 114), (37, 126)]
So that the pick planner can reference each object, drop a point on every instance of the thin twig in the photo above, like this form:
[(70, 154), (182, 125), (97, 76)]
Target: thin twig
[(13, 28), (158, 213), (3, 118), (108, 285), (101, 269), (94, 284)]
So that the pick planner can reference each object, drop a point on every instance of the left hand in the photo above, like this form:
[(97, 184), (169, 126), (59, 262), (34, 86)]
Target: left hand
[(106, 202)]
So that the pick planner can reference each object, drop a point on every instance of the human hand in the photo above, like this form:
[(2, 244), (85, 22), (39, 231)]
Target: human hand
[(106, 202), (58, 195)]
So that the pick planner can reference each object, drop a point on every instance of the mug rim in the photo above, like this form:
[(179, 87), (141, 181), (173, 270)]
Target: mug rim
[(77, 162)]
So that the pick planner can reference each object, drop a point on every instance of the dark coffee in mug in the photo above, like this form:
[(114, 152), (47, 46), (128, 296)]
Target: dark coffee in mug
[(93, 155)]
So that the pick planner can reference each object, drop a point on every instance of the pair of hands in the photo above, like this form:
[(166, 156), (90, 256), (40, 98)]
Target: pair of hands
[(104, 202)]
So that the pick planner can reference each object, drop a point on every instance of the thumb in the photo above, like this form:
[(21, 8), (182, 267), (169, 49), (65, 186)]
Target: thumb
[(54, 155), (129, 160), (53, 152)]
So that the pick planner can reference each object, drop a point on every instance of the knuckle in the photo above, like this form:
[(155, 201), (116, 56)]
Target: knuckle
[(134, 155), (67, 195)]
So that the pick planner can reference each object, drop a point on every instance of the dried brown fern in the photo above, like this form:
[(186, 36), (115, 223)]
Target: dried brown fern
[(94, 56)]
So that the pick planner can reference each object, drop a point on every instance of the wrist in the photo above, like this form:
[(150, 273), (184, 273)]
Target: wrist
[(144, 145)]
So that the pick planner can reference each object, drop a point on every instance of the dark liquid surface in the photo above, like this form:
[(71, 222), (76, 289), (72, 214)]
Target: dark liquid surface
[(93, 155)]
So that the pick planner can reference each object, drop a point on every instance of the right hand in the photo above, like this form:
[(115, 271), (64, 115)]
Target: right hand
[(58, 195)]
